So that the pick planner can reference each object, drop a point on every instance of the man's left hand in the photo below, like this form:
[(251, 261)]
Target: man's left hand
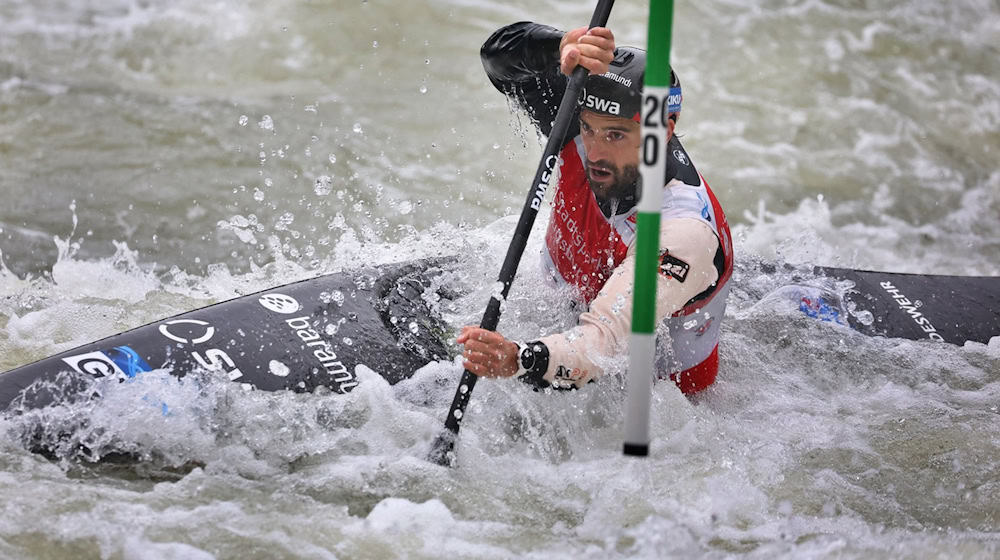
[(488, 353)]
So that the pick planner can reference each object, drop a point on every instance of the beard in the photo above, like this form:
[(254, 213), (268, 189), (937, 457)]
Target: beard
[(619, 193)]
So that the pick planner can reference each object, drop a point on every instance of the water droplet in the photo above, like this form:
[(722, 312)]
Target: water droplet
[(573, 334), (266, 123), (457, 414), (279, 369), (619, 304), (498, 291), (333, 158), (258, 195), (423, 89), (348, 341), (323, 185), (463, 388), (414, 327), (865, 317), (357, 128), (244, 120)]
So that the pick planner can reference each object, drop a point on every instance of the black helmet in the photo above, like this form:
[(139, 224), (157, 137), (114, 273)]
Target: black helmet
[(618, 92)]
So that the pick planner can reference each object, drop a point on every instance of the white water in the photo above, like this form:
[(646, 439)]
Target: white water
[(815, 441)]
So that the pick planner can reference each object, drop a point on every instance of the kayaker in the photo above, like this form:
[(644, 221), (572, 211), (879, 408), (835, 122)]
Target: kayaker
[(589, 244)]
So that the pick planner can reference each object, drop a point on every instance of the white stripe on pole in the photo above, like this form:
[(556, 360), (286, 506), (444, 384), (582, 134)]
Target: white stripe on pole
[(642, 348)]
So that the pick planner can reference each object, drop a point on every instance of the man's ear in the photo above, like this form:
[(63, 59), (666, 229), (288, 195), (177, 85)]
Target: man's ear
[(671, 122)]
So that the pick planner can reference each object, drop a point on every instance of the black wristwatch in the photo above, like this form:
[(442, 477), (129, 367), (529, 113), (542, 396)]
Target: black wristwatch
[(532, 362)]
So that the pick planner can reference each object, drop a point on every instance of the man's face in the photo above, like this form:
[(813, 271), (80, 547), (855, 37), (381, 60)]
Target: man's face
[(612, 154)]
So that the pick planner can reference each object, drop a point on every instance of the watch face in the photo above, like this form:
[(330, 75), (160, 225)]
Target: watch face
[(527, 358)]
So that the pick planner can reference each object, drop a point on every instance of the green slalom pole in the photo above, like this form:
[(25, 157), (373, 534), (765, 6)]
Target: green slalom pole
[(653, 153)]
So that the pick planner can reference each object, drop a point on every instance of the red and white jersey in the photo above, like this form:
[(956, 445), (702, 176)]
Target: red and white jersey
[(584, 247)]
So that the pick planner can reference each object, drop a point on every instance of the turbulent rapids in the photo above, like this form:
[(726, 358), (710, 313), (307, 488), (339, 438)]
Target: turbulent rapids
[(218, 151)]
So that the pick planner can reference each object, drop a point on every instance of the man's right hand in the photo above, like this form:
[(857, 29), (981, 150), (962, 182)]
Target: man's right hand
[(487, 353), (593, 49)]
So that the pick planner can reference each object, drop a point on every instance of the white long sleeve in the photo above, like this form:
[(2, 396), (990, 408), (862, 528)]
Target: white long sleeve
[(582, 353)]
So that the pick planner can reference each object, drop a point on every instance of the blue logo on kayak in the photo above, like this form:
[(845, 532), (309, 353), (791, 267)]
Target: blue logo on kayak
[(818, 308), (128, 360), (120, 361)]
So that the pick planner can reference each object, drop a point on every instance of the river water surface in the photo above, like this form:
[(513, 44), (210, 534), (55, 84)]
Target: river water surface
[(157, 156)]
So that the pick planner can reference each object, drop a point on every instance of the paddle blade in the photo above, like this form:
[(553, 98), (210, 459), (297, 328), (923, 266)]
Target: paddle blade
[(443, 449)]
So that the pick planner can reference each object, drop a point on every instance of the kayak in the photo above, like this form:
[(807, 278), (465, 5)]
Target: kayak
[(318, 332), (942, 308), (298, 337)]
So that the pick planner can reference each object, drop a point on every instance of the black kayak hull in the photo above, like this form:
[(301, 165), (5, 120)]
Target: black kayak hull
[(944, 308), (296, 337)]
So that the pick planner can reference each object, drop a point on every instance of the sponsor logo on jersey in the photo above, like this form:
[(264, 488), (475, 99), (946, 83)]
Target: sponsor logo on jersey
[(910, 307), (279, 303), (704, 208), (700, 331), (680, 157), (566, 378), (673, 267)]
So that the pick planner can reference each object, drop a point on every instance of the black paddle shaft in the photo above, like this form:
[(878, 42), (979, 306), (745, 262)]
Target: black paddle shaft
[(445, 442)]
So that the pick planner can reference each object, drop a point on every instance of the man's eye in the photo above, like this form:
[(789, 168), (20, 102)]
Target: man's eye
[(615, 136)]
